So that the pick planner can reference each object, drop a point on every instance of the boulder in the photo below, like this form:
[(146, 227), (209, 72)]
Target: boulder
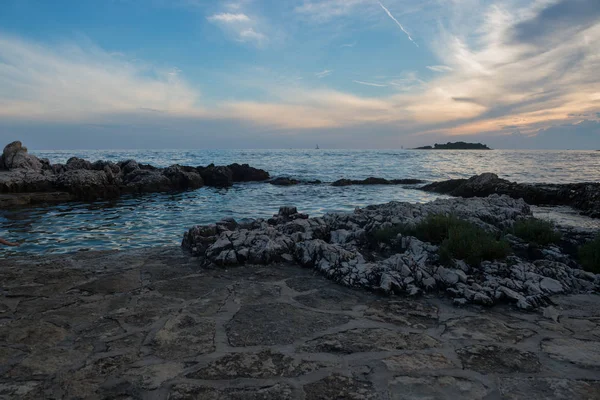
[(183, 178), (15, 156), (217, 176), (86, 184), (75, 163), (146, 181), (581, 196), (246, 173)]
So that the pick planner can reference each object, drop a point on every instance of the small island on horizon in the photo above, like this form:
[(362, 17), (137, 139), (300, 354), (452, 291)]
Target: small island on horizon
[(455, 146)]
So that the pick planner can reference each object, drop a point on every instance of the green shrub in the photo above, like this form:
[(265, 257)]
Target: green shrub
[(458, 238), (435, 227), (472, 244), (536, 231), (589, 255), (386, 235)]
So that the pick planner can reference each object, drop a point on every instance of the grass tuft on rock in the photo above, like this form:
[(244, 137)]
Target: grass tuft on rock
[(589, 255), (536, 231), (468, 242), (457, 238)]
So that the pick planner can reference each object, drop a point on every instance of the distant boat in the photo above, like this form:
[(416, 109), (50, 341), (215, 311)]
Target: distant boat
[(317, 148)]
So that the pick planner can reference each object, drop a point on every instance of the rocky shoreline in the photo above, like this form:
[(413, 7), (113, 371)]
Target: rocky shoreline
[(26, 179), (152, 324), (341, 247)]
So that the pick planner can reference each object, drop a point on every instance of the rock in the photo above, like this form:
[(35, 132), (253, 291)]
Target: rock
[(216, 176), (439, 388), (183, 178), (284, 181), (582, 196), (15, 156), (376, 181), (75, 163), (246, 173), (338, 246), (146, 181), (579, 352), (277, 324), (338, 386), (492, 359), (369, 340), (86, 184)]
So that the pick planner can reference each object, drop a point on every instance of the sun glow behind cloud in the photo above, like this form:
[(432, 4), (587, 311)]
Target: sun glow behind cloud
[(527, 66)]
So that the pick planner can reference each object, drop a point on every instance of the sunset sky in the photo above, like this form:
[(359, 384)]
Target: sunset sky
[(294, 73)]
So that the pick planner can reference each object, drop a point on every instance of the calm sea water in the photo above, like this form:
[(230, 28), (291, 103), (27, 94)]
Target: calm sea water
[(161, 219)]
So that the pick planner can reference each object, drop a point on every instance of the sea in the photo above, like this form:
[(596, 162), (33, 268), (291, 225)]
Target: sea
[(161, 219)]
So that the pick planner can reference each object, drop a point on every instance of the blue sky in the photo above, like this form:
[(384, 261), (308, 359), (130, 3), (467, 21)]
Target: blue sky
[(292, 73)]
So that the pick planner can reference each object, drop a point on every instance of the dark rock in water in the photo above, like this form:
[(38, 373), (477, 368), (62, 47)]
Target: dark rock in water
[(217, 176), (376, 181), (86, 184), (15, 156), (581, 196), (23, 174), (74, 163), (284, 181), (145, 181), (246, 173), (183, 178)]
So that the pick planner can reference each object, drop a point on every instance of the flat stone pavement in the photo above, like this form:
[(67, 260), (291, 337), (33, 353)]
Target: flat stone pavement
[(149, 324)]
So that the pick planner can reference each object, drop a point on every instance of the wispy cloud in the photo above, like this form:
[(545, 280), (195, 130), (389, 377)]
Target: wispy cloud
[(349, 44), (324, 73), (72, 81), (398, 23), (325, 10), (242, 27), (369, 83), (229, 18), (439, 68)]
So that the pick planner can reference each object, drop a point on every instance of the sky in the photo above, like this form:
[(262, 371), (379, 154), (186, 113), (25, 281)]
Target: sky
[(78, 74)]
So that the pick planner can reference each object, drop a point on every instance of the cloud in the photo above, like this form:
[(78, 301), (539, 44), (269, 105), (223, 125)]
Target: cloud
[(326, 10), (229, 18), (370, 84), (74, 82), (398, 23), (439, 68), (324, 73), (348, 44), (243, 28), (553, 23)]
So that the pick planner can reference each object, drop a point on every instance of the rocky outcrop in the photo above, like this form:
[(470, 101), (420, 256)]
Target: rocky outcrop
[(338, 246), (376, 181), (24, 178), (15, 156), (581, 196)]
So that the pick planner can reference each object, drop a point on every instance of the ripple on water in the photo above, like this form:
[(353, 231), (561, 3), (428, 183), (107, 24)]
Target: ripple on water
[(161, 219)]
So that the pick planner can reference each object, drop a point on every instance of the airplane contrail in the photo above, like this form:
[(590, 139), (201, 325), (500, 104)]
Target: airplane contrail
[(398, 23)]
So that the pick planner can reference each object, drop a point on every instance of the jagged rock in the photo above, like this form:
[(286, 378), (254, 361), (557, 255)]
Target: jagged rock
[(146, 181), (582, 196), (246, 173), (86, 184), (216, 176), (336, 246), (183, 178), (74, 163), (15, 156)]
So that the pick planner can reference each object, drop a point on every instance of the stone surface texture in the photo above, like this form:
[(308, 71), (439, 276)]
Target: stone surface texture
[(155, 324), (340, 247)]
